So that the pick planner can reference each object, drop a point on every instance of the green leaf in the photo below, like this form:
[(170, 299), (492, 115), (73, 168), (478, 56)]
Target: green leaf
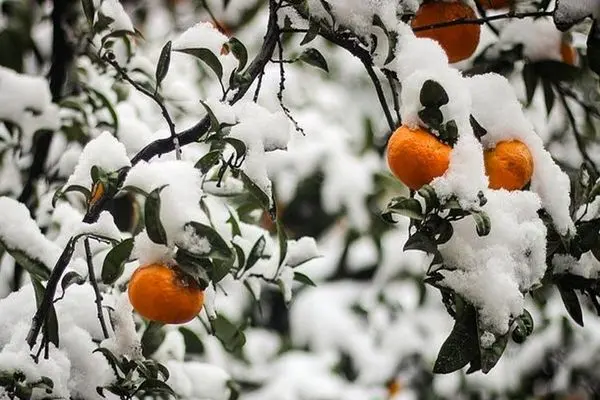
[(155, 386), (311, 34), (238, 145), (152, 338), (283, 242), (421, 241), (571, 302), (391, 37), (164, 61), (444, 232), (208, 57), (208, 161), (483, 224), (432, 117), (257, 192), (229, 335), (549, 96), (240, 255), (102, 23), (50, 328), (214, 122), (72, 188), (556, 71), (88, 10), (405, 206), (300, 277), (221, 268), (71, 278), (235, 226), (478, 130), (114, 262), (530, 78), (433, 95), (193, 344), (239, 51), (430, 196), (313, 57), (32, 265), (154, 228), (593, 47), (462, 346), (256, 253), (194, 266), (218, 246)]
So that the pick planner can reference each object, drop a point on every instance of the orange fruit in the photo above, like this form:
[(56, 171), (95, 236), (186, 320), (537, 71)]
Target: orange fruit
[(495, 4), (509, 165), (164, 294), (416, 157), (567, 53), (458, 41)]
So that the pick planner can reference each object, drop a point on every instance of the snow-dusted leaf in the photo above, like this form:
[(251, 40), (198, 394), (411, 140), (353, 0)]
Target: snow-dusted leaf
[(433, 94), (218, 246), (164, 62), (155, 386), (238, 145), (152, 338), (71, 188), (483, 224), (228, 334), (432, 117), (208, 57), (32, 265), (154, 227), (313, 57), (194, 266), (391, 38), (430, 196), (114, 262), (221, 268), (256, 191), (102, 23), (311, 34), (214, 122), (490, 355), (71, 278)]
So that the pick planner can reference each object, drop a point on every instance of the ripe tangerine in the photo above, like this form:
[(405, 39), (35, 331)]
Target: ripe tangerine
[(416, 157), (458, 41), (509, 165), (164, 294)]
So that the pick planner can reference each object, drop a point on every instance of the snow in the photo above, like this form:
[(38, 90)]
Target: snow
[(197, 380), (301, 250), (105, 152), (203, 35), (27, 102), (19, 232), (113, 9)]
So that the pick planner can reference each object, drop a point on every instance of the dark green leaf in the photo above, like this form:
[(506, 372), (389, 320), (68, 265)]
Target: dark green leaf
[(208, 161), (164, 61), (102, 23), (152, 338), (240, 256), (405, 206), (478, 130), (238, 145), (155, 386), (530, 78), (430, 196), (300, 277), (462, 346), (239, 51), (257, 192), (433, 95), (449, 133), (230, 335), (311, 34), (72, 188), (88, 10), (490, 356), (214, 122), (71, 278), (256, 253), (421, 241), (313, 57), (556, 71), (208, 57), (221, 268), (235, 226), (32, 265), (432, 117), (51, 326), (569, 298), (593, 47), (194, 266), (444, 232), (114, 262), (549, 96), (154, 228), (283, 242)]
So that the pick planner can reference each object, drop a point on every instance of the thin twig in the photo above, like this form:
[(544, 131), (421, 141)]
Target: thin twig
[(258, 86), (153, 95), (392, 79), (577, 134), (483, 20), (212, 16), (380, 95), (571, 94), (92, 278), (483, 13), (285, 109)]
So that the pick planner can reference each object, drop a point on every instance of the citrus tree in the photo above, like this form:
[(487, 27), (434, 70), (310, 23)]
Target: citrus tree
[(299, 199)]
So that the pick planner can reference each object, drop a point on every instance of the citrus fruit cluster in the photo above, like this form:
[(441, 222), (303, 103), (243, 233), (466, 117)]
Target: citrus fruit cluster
[(165, 294)]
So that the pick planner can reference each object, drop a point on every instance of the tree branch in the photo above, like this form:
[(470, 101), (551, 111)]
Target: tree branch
[(92, 278), (483, 20)]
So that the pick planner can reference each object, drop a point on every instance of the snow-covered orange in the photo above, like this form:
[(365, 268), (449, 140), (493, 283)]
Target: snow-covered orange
[(509, 165), (458, 41), (416, 157), (164, 294)]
